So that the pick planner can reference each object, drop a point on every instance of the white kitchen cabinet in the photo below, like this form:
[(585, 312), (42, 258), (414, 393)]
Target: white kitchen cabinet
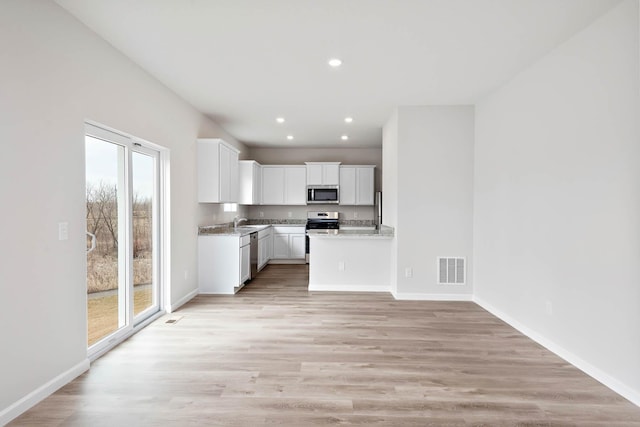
[(250, 182), (357, 185), (295, 185), (265, 247), (217, 171), (280, 246), (272, 185), (223, 263), (245, 263), (289, 242), (323, 173), (297, 246), (284, 185), (364, 186)]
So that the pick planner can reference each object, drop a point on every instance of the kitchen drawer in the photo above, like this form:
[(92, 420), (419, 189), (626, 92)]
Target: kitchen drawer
[(245, 240)]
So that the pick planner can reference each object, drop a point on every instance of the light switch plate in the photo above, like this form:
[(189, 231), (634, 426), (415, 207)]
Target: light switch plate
[(63, 231)]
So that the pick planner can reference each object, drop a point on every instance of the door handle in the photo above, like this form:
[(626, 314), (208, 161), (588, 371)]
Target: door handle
[(93, 242)]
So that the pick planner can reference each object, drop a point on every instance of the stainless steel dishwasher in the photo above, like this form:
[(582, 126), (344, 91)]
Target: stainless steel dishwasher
[(253, 254)]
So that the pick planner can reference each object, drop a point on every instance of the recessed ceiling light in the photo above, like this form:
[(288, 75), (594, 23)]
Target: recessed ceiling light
[(335, 62), (344, 137), (348, 119), (280, 120), (289, 137)]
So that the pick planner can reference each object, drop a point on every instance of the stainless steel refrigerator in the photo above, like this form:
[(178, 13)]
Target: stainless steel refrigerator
[(377, 209)]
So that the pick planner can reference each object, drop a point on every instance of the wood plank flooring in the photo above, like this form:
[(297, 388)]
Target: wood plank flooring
[(275, 354)]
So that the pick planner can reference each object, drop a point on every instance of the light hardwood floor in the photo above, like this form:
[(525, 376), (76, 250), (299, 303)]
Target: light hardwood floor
[(275, 354)]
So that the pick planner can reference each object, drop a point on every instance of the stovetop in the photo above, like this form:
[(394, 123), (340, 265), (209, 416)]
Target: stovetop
[(323, 220)]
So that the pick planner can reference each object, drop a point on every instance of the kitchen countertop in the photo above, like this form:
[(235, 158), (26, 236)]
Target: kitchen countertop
[(385, 232), (241, 230)]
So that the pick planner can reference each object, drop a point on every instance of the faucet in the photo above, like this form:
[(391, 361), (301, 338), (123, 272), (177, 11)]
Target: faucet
[(237, 220)]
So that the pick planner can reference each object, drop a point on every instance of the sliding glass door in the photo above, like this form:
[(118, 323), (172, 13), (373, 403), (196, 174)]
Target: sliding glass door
[(122, 206)]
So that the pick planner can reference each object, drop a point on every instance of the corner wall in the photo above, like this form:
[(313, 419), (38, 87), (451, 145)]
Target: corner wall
[(557, 200), (432, 155), (56, 74)]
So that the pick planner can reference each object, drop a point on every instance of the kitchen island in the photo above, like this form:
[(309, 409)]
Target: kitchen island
[(350, 260)]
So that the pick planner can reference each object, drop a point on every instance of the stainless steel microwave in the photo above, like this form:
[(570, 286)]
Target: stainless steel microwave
[(323, 194)]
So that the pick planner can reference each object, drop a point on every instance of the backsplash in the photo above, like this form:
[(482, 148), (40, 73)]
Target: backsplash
[(263, 221)]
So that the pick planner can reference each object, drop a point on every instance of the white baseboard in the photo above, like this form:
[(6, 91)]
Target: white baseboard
[(431, 297), (42, 392), (347, 288), (594, 372), (182, 301)]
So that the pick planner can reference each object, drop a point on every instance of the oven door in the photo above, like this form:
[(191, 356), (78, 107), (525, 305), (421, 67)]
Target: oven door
[(323, 195)]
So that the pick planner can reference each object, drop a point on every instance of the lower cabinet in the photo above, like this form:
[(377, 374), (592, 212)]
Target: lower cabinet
[(245, 263), (289, 242), (223, 263), (265, 247)]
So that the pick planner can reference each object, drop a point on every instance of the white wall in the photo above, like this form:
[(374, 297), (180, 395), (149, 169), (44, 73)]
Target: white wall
[(56, 73), (390, 191), (557, 200), (433, 159)]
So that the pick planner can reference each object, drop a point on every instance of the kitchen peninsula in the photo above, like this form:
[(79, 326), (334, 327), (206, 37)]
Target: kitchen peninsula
[(350, 260)]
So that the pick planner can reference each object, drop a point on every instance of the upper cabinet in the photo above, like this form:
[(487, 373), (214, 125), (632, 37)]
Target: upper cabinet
[(250, 182), (284, 185), (356, 185), (217, 171), (323, 173)]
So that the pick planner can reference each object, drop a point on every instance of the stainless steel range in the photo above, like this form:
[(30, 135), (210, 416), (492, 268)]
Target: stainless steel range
[(321, 222)]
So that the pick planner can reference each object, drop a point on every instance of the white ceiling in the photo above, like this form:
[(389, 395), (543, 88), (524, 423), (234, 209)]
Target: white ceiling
[(246, 62)]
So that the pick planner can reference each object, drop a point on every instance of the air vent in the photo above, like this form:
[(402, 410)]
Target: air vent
[(451, 271)]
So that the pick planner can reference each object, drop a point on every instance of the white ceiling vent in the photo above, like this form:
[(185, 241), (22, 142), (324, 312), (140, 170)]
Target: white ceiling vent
[(451, 271)]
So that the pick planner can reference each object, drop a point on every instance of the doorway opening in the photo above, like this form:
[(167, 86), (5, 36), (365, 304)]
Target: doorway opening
[(124, 213)]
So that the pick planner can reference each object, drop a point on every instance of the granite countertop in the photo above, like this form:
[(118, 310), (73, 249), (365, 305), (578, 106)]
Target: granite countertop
[(224, 230), (244, 229), (352, 229), (385, 232)]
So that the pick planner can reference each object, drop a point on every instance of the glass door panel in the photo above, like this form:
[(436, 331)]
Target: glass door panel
[(144, 204), (106, 231)]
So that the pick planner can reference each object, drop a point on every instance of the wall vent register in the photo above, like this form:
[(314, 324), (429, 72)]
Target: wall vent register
[(451, 271)]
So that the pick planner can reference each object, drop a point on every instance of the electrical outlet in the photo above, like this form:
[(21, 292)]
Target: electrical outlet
[(261, 214), (355, 215), (186, 275), (63, 231), (408, 272), (549, 308), (289, 214), (340, 265)]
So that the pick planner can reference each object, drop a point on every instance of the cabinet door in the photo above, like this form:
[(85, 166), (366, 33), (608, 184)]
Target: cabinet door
[(233, 176), (297, 246), (330, 174), (257, 184), (245, 263), (225, 173), (262, 252), (208, 171), (347, 186), (272, 186), (295, 186), (364, 191), (314, 174), (269, 247), (280, 246)]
